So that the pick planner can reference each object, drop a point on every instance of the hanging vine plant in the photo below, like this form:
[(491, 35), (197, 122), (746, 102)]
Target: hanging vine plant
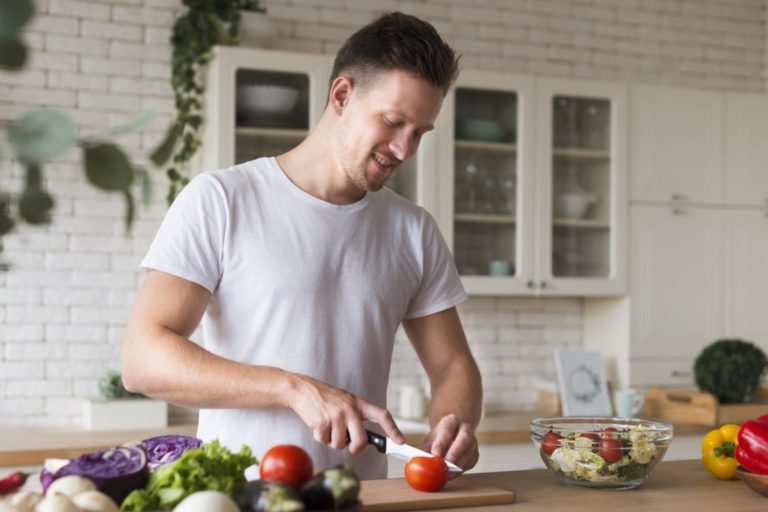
[(205, 24)]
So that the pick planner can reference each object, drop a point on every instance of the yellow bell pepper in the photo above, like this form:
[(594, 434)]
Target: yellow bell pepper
[(717, 449)]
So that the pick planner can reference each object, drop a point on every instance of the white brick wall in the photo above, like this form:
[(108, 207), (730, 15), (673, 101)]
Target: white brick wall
[(63, 307)]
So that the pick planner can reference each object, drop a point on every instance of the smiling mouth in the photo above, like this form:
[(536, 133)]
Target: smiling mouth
[(384, 165)]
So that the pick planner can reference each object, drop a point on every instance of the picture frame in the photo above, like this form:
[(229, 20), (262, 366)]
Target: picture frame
[(582, 384)]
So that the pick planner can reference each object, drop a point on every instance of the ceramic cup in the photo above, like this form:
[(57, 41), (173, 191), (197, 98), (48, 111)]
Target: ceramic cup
[(499, 268), (628, 402)]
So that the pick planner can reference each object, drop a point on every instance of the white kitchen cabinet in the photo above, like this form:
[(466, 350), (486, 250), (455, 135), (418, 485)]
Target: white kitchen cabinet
[(677, 144), (746, 149), (535, 200), (745, 294), (264, 102)]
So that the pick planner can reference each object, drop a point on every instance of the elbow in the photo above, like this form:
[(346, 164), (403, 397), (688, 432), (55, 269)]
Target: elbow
[(132, 371)]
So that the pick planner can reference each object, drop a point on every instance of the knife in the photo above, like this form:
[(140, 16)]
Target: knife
[(402, 451)]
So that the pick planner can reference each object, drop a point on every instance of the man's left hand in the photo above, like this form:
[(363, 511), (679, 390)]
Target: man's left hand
[(455, 441)]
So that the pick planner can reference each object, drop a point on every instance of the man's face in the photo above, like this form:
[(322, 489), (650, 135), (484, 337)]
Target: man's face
[(381, 125)]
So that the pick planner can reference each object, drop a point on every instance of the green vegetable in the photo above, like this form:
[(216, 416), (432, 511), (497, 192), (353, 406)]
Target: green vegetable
[(111, 387), (210, 468), (632, 470), (730, 369)]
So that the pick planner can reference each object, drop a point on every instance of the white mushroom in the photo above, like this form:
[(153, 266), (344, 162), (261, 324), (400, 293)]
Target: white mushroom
[(70, 485), (26, 501), (207, 501), (56, 503), (94, 501)]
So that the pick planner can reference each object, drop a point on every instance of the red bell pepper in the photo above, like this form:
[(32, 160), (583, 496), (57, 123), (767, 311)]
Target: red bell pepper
[(752, 449), (12, 482)]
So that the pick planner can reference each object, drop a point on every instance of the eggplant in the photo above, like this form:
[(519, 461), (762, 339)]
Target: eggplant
[(333, 488), (262, 496)]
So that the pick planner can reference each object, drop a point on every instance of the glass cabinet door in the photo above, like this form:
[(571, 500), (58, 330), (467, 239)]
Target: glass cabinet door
[(584, 186), (485, 182)]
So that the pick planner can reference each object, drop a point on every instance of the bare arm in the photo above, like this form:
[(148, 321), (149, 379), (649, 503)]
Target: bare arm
[(159, 360), (456, 385)]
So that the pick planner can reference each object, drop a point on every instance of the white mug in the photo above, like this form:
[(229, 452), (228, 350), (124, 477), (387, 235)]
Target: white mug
[(628, 402)]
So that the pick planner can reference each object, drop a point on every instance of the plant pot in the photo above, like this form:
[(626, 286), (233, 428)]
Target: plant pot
[(124, 414), (256, 30)]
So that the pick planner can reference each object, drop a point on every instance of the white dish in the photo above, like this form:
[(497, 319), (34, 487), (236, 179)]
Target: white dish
[(574, 205), (266, 98)]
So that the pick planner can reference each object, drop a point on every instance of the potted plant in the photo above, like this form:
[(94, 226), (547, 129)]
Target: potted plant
[(205, 24), (118, 409)]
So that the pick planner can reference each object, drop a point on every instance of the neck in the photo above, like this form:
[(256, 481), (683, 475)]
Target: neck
[(313, 167)]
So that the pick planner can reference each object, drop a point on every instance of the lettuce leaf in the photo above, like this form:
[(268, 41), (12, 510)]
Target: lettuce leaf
[(210, 468)]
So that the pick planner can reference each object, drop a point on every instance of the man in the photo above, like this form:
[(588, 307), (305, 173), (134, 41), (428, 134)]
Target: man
[(303, 266)]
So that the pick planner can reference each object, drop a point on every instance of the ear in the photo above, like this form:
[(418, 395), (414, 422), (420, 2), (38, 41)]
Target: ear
[(339, 93)]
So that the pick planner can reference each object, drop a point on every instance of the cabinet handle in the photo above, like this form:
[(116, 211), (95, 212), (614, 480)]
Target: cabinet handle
[(679, 211), (679, 373), (530, 283), (543, 285), (679, 197)]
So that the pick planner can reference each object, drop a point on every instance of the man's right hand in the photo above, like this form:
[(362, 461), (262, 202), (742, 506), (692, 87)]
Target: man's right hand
[(331, 413)]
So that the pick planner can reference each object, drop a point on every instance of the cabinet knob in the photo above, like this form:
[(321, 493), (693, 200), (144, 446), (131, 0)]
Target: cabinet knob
[(543, 285), (679, 197), (679, 373), (530, 283), (679, 211)]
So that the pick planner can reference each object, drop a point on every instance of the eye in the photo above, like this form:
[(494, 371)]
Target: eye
[(391, 122)]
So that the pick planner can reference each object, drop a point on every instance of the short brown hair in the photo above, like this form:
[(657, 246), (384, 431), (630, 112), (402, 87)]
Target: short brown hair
[(398, 41)]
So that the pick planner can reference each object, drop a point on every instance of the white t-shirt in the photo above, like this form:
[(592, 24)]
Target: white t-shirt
[(304, 285)]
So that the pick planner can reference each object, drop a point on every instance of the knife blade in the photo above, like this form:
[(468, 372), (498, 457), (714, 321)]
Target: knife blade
[(402, 451)]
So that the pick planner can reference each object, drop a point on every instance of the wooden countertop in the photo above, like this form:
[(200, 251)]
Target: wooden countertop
[(31, 446), (675, 486)]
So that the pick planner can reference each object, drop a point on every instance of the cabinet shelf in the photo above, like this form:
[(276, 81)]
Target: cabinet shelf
[(485, 218), (282, 133), (582, 154), (499, 147), (581, 223)]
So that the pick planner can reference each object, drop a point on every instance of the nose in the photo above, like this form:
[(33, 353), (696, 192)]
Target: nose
[(403, 146)]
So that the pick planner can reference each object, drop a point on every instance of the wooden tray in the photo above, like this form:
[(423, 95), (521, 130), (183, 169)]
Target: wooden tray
[(700, 408), (395, 494)]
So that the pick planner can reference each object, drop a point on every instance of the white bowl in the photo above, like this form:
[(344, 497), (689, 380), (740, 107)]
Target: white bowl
[(573, 205), (266, 98)]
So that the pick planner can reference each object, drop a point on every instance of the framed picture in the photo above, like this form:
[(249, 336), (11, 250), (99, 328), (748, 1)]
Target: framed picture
[(582, 384)]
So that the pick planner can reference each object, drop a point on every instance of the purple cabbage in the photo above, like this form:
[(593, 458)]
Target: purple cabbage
[(162, 450), (115, 471)]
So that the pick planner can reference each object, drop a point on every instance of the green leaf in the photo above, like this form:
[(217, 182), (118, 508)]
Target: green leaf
[(6, 222), (163, 152), (107, 167), (42, 134), (133, 125), (146, 185), (14, 14), (130, 209), (35, 204), (13, 53)]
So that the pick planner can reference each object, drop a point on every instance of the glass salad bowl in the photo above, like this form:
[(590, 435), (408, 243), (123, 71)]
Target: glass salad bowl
[(605, 453)]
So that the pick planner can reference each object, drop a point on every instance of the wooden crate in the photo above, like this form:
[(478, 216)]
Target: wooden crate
[(700, 408)]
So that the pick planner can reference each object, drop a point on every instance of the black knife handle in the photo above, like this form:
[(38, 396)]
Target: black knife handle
[(377, 440)]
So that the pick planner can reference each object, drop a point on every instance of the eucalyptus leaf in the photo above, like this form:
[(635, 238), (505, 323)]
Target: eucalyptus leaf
[(146, 185), (35, 204), (41, 134), (6, 222), (130, 209), (14, 14), (107, 167), (13, 53), (133, 125), (163, 152)]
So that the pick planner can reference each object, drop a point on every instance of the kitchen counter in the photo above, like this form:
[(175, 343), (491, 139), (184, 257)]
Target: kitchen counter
[(674, 486)]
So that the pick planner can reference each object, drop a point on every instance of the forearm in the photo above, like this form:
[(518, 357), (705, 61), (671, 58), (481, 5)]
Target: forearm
[(163, 364), (459, 391)]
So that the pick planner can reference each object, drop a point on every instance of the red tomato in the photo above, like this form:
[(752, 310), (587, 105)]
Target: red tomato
[(591, 435), (611, 450), (427, 474), (551, 442), (608, 432), (286, 464)]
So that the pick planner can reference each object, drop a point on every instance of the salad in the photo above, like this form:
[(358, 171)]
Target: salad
[(611, 455)]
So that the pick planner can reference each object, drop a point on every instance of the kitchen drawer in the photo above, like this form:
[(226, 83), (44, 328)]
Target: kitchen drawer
[(667, 372)]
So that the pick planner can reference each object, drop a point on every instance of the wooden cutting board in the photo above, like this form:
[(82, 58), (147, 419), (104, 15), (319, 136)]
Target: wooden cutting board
[(395, 494)]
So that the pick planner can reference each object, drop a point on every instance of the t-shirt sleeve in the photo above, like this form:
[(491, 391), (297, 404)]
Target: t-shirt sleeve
[(190, 240), (440, 287)]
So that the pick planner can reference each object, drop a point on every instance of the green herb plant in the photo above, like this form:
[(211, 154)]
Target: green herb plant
[(730, 369), (111, 387), (205, 24)]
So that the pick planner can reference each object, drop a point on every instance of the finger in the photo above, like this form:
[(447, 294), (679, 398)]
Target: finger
[(445, 431), (383, 418), (358, 439), (459, 446), (322, 432), (339, 431)]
